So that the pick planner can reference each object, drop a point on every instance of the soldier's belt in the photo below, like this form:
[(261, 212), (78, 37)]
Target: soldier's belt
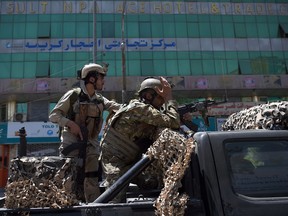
[(121, 143)]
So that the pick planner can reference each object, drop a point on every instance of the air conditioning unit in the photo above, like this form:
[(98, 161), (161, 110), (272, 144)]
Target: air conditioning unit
[(20, 117)]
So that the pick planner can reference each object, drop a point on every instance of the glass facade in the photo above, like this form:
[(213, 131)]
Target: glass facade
[(53, 39)]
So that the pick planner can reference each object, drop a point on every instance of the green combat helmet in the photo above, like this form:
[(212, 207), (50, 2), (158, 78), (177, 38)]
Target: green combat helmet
[(150, 83)]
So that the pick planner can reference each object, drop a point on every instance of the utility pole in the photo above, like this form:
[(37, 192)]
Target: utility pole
[(94, 32), (123, 54)]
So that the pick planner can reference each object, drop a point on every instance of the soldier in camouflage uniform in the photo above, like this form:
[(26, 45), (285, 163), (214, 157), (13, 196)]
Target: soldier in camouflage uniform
[(132, 129), (83, 108)]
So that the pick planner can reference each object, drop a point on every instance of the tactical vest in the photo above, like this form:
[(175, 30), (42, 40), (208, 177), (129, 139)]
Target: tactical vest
[(86, 112), (120, 143)]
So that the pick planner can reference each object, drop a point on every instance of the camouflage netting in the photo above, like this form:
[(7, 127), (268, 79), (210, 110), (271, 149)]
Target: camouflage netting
[(41, 182), (271, 116), (172, 152), (50, 181)]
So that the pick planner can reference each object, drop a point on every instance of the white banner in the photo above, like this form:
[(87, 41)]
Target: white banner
[(33, 129)]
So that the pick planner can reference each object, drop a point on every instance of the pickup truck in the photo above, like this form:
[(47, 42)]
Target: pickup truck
[(239, 173)]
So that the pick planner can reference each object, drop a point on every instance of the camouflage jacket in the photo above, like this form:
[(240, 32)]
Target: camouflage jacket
[(137, 120)]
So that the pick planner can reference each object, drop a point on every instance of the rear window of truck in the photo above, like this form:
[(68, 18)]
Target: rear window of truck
[(259, 168)]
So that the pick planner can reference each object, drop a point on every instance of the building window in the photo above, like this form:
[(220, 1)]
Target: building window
[(21, 107), (147, 68), (132, 30), (245, 67), (21, 112), (108, 29), (44, 30), (43, 69), (145, 30), (283, 30), (132, 68), (240, 30)]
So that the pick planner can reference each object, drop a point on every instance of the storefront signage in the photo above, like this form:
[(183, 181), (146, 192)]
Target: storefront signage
[(33, 129), (143, 7)]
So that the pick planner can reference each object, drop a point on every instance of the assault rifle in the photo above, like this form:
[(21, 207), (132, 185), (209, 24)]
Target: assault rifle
[(81, 146), (200, 106)]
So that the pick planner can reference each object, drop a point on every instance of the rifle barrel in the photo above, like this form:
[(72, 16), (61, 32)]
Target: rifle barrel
[(125, 179)]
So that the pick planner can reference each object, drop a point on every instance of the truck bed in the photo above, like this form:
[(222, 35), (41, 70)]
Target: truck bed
[(239, 173)]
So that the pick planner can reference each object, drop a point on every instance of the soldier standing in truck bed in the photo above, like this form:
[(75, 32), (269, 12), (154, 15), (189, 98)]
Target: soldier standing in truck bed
[(132, 129), (80, 110)]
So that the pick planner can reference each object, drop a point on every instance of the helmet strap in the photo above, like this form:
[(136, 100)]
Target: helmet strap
[(151, 99), (154, 95), (87, 80)]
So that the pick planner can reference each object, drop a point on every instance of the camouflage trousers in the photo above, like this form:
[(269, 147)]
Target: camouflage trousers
[(114, 166), (88, 190), (118, 155)]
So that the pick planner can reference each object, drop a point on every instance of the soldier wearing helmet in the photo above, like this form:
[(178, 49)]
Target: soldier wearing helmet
[(81, 110), (133, 128), (150, 91), (90, 73)]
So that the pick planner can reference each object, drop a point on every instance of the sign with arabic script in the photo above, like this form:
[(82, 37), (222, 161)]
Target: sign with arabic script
[(87, 44)]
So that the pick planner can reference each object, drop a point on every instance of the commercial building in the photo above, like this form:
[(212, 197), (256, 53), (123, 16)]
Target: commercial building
[(207, 49)]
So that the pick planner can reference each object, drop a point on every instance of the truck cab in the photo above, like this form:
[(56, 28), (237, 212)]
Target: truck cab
[(241, 173)]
